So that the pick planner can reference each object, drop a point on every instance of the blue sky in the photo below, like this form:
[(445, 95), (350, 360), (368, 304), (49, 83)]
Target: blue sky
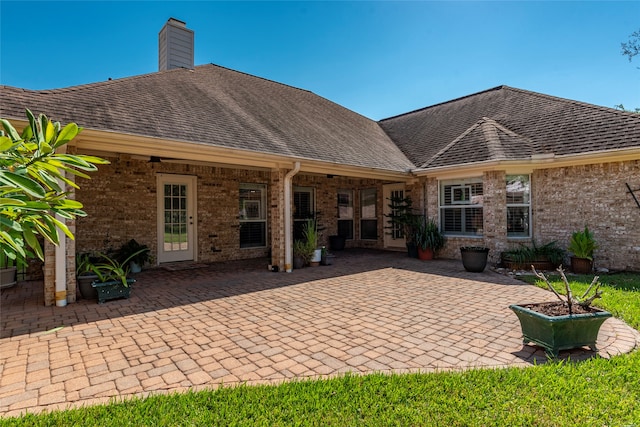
[(377, 58)]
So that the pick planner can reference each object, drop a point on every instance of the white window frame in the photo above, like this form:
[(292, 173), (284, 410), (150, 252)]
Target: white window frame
[(527, 205), (368, 218), (471, 199), (262, 212), (348, 214)]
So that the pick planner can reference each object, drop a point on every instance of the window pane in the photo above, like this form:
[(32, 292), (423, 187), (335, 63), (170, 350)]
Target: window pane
[(345, 204), (368, 203), (461, 206), (518, 204), (303, 204), (473, 220), (369, 229), (518, 189), (345, 228), (252, 215), (518, 221), (452, 220), (252, 234)]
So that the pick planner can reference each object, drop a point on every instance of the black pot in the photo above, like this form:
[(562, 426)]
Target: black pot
[(298, 262), (84, 284), (412, 250), (336, 243), (474, 258)]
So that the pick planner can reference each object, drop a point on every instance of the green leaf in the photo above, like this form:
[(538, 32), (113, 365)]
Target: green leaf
[(27, 185), (49, 128), (8, 223), (8, 127), (67, 134), (5, 143), (32, 241), (62, 226), (11, 202)]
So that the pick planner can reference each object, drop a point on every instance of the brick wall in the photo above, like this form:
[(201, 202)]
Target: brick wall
[(121, 204), (567, 199), (563, 200)]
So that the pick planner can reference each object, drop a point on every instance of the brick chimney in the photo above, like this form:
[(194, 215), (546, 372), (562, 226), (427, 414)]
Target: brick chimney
[(175, 46)]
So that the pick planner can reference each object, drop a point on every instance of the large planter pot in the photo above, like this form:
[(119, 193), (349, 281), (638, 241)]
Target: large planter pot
[(336, 243), (412, 250), (581, 265), (134, 267), (316, 258), (327, 259), (425, 254), (474, 258), (8, 277), (84, 285), (298, 262), (112, 290), (541, 265), (555, 333)]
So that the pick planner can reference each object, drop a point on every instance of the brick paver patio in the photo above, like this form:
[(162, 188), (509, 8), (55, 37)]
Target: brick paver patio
[(237, 322)]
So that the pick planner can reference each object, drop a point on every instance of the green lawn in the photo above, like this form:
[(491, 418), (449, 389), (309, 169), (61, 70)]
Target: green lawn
[(596, 392)]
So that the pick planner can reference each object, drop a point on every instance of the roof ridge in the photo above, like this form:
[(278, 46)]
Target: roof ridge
[(454, 142), (490, 130), (572, 101), (444, 102)]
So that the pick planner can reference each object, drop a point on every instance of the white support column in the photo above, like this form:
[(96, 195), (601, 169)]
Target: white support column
[(288, 240)]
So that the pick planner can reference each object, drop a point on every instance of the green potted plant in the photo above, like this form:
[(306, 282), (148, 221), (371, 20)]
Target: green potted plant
[(429, 239), (570, 323), (582, 244), (404, 218), (474, 258), (311, 236), (546, 257), (141, 255), (85, 276), (327, 257), (301, 254), (113, 281)]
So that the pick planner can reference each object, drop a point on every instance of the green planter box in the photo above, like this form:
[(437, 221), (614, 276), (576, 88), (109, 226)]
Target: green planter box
[(555, 333), (112, 290)]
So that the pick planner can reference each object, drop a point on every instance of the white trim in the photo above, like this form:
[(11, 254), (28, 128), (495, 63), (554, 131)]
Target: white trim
[(388, 240), (192, 211)]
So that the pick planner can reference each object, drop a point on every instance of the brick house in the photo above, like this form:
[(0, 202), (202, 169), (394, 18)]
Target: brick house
[(211, 164)]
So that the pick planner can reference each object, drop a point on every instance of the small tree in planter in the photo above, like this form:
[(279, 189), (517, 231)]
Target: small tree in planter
[(567, 324), (428, 238), (403, 218)]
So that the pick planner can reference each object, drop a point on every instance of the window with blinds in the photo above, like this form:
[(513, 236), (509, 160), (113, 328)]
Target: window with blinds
[(461, 207), (253, 215)]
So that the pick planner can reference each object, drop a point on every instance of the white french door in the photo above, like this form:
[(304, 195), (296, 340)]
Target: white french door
[(176, 218), (393, 236)]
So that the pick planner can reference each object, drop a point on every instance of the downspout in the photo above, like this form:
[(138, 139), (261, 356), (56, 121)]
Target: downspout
[(61, 263), (287, 217)]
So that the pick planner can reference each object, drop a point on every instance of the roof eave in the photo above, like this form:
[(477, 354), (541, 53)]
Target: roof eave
[(543, 161), (91, 140)]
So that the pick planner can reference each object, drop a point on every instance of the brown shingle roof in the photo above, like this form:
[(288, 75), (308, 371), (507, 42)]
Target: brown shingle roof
[(221, 107), (527, 123)]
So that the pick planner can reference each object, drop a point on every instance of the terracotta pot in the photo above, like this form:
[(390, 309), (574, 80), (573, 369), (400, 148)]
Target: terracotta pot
[(425, 254)]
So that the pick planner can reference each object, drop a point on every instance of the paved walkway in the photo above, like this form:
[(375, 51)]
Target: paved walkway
[(237, 322)]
